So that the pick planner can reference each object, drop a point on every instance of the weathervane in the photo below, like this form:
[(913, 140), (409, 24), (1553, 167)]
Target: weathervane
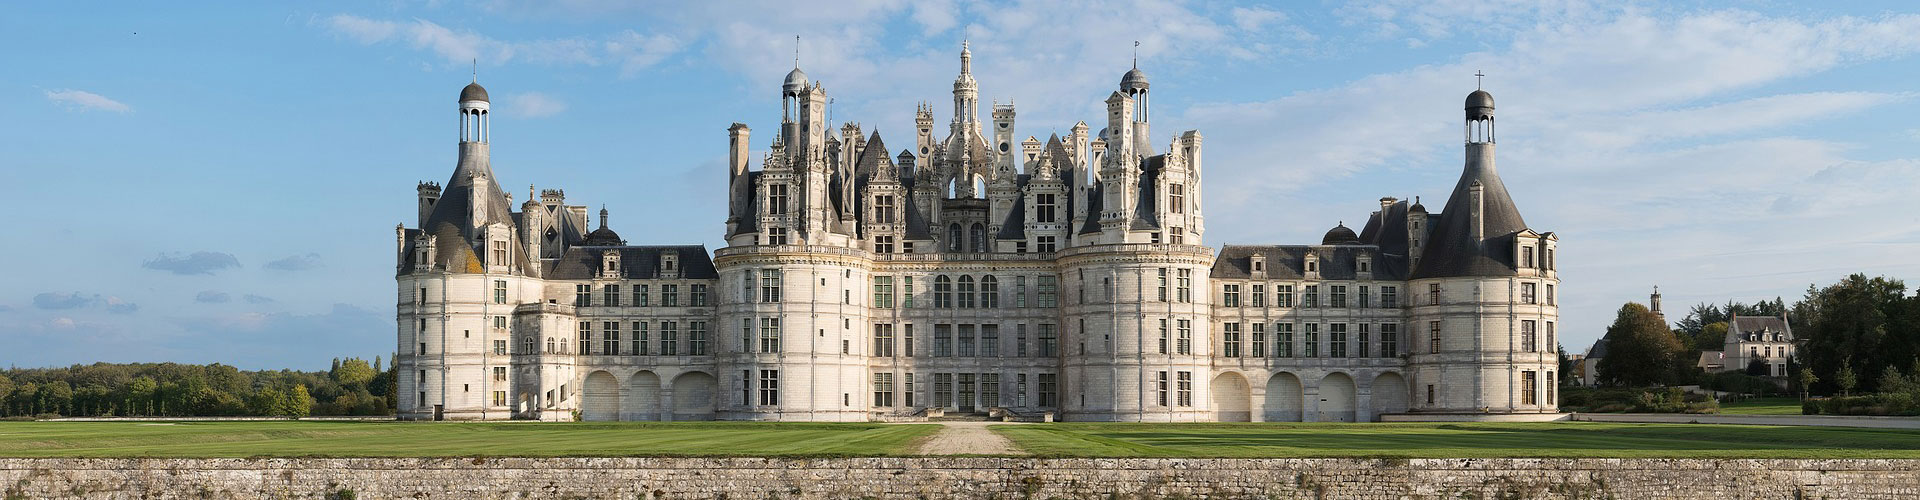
[(1136, 54)]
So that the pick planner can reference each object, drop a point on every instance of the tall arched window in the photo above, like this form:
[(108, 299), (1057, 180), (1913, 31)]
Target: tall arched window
[(989, 292), (979, 237), (953, 237), (942, 292), (966, 291)]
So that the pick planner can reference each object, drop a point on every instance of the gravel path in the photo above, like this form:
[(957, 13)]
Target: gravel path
[(969, 438)]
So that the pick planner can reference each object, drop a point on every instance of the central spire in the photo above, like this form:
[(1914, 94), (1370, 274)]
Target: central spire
[(966, 59)]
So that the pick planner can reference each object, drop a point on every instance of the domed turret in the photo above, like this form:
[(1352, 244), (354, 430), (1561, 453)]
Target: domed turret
[(604, 236), (1479, 105), (796, 82), (1134, 82), (1340, 235), (473, 92)]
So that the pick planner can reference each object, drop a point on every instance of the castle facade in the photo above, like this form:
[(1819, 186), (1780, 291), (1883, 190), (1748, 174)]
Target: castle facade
[(973, 272)]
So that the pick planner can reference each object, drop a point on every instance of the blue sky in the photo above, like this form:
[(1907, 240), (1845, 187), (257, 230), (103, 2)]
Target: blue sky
[(220, 181)]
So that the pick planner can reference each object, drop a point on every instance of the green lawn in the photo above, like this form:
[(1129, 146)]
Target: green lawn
[(412, 439), (1762, 406), (1464, 440)]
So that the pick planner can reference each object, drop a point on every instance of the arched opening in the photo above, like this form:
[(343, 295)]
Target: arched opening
[(1284, 399), (643, 397), (1389, 394), (693, 396), (979, 184), (953, 237), (1336, 398), (600, 398), (1232, 401), (978, 237)]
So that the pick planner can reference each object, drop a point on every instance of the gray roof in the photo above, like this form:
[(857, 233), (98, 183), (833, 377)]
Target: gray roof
[(1340, 235), (1290, 262), (1599, 349), (1741, 326), (1015, 226), (455, 250), (473, 92), (636, 262), (1134, 79), (1452, 250), (1480, 99)]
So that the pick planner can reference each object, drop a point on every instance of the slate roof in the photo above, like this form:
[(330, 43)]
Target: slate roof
[(473, 92), (636, 262), (1740, 326), (448, 222), (1452, 250), (1290, 262)]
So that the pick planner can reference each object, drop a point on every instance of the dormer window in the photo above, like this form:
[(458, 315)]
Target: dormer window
[(1365, 266), (1259, 266)]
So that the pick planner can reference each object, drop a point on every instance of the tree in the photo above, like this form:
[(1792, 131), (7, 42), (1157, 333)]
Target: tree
[(1845, 377), (1806, 380), (1869, 323), (353, 372), (1641, 351), (295, 403), (1758, 367)]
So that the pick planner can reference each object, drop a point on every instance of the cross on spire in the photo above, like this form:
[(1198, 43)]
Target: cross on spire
[(1477, 75)]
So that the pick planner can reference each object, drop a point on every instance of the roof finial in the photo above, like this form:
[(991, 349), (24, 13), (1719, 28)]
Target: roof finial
[(1477, 75), (796, 52), (603, 216), (476, 70), (1136, 54)]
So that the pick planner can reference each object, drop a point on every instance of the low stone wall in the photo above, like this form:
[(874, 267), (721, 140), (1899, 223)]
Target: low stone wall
[(931, 478)]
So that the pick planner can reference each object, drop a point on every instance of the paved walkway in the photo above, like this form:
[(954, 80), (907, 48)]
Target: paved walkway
[(969, 438), (1806, 420)]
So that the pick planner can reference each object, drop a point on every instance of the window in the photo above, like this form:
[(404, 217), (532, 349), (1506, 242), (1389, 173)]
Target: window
[(1433, 294), (1185, 389), (776, 199), (1049, 340), (953, 238), (1019, 291), (669, 295), (526, 345), (883, 213), (883, 292), (1259, 295), (499, 253), (1160, 388), (1550, 259), (882, 340), (906, 341), (1555, 346), (1163, 335), (943, 389), (942, 292), (500, 347), (990, 340), (906, 292), (1020, 340), (1390, 297), (1283, 340), (1389, 340), (1526, 257), (640, 340), (1310, 341), (611, 345), (669, 338), (499, 374), (989, 292), (883, 389), (1363, 299), (550, 346), (640, 294), (1337, 340), (1311, 297), (1176, 235), (1044, 244), (582, 295), (1230, 295), (990, 389), (1433, 336), (1527, 388), (1049, 391), (1162, 287), (1230, 340), (777, 236), (1429, 394), (1283, 296), (499, 398), (1259, 340), (966, 292), (500, 323), (1337, 296), (1047, 291), (420, 298), (966, 341), (1528, 342), (770, 335), (586, 337), (1184, 285), (1106, 289), (696, 338), (1185, 341), (1549, 294), (942, 341), (499, 291), (1527, 293), (1176, 198), (1551, 385), (883, 244), (1043, 208), (769, 387), (699, 296), (769, 285), (610, 295)]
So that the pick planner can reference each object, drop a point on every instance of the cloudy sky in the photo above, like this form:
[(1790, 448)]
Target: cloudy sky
[(220, 182)]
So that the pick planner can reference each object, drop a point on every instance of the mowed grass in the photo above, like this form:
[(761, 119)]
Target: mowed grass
[(1461, 440), (459, 439), (1762, 406)]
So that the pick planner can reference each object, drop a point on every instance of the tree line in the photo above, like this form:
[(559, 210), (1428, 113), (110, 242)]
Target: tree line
[(1853, 336), (353, 386)]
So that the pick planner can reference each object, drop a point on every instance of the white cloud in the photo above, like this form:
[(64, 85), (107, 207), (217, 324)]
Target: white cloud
[(630, 50), (84, 101), (534, 105)]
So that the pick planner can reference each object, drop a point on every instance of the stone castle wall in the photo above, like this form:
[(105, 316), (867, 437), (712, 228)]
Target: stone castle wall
[(932, 478)]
